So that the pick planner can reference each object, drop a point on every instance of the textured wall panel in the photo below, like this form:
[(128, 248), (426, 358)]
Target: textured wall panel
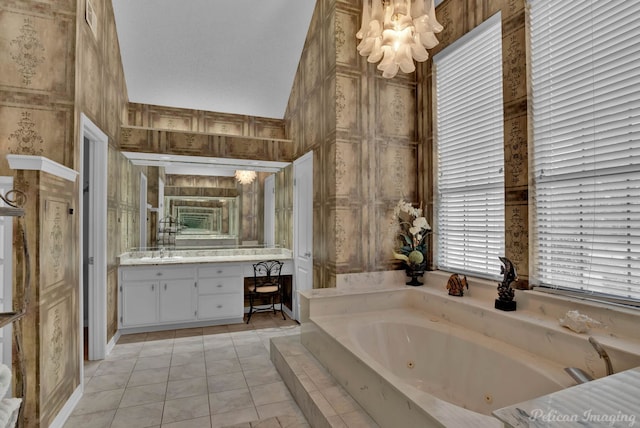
[(36, 52)]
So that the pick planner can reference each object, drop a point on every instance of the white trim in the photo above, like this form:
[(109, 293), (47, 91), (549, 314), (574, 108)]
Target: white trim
[(97, 238), (112, 342), (40, 163), (6, 183), (296, 232), (67, 409)]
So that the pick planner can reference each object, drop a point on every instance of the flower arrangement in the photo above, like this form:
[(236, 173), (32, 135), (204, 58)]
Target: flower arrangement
[(412, 231)]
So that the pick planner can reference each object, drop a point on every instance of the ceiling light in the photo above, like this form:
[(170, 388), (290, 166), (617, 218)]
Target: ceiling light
[(391, 34), (245, 177)]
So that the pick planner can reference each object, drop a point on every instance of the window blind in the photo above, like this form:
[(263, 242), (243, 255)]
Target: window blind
[(586, 145), (469, 205)]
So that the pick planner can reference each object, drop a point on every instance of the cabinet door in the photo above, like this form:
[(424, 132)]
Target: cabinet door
[(139, 303), (177, 300)]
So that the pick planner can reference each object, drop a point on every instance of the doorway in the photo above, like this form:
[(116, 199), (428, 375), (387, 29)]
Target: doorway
[(93, 235), (302, 227)]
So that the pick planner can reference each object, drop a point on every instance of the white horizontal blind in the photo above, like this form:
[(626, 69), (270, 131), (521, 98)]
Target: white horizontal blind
[(470, 154), (586, 159)]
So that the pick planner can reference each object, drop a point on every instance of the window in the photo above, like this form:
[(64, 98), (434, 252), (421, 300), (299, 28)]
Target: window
[(586, 146), (470, 153)]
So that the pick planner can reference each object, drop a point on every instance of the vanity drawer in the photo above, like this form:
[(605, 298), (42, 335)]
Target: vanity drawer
[(219, 285), (220, 306), (220, 270), (145, 273)]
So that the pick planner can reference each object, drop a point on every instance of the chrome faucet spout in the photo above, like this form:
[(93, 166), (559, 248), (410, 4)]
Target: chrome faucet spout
[(603, 354)]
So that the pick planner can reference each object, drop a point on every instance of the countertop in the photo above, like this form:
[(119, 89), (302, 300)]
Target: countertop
[(181, 257)]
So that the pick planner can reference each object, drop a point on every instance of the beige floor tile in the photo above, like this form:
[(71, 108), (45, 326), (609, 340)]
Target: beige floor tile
[(147, 377), (218, 367), (251, 349), (184, 358), (99, 401), (182, 409), (226, 382), (290, 421), (187, 388), (90, 368), (106, 382), (247, 415), (147, 415), (144, 394), (114, 367), (281, 408), (222, 353), (270, 393), (93, 420), (227, 401), (336, 421), (266, 423), (202, 422), (188, 347), (262, 376), (358, 419), (157, 349), (242, 425), (153, 362), (187, 371), (339, 399), (255, 363)]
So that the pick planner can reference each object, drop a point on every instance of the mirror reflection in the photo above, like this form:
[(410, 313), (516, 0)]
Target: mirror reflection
[(199, 221)]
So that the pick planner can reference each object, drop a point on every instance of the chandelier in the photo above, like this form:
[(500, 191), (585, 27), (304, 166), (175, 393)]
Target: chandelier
[(397, 32), (245, 177)]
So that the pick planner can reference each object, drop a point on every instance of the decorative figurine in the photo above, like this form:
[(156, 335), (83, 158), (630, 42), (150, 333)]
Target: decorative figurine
[(505, 300), (456, 285)]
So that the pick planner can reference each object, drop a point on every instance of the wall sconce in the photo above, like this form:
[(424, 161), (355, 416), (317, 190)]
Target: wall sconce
[(245, 177), (390, 33)]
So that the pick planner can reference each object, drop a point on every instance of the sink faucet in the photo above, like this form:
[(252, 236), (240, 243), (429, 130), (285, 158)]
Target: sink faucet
[(603, 354), (161, 252)]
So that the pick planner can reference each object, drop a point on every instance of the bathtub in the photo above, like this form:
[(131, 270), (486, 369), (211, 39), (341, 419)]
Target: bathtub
[(410, 369)]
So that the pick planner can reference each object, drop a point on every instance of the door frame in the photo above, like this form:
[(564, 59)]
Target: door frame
[(6, 183), (308, 173), (143, 211), (270, 210), (98, 153)]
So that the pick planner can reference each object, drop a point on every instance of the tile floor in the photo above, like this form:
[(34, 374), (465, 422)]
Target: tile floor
[(192, 378)]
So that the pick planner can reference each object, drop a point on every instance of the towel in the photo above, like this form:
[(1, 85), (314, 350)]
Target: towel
[(5, 379), (9, 409)]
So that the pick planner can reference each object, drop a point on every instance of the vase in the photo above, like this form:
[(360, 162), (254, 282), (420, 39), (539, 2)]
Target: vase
[(415, 271)]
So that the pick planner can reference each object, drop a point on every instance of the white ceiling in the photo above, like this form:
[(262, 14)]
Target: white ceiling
[(232, 56)]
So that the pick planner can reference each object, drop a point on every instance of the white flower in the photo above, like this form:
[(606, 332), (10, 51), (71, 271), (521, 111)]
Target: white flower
[(421, 223), (415, 230)]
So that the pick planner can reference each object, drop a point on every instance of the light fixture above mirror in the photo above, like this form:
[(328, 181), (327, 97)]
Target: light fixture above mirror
[(245, 176)]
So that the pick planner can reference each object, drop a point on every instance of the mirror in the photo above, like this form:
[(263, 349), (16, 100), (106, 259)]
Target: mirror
[(200, 203)]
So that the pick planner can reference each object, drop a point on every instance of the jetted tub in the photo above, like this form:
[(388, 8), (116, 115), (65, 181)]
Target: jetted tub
[(407, 368)]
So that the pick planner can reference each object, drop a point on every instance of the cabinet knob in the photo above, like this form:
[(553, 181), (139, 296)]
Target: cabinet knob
[(219, 285), (219, 306), (219, 271), (153, 287), (165, 286), (159, 274)]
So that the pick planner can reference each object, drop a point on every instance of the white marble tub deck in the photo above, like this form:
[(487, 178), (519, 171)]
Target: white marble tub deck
[(533, 330)]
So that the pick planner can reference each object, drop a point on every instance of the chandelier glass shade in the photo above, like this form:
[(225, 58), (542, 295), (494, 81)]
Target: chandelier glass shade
[(245, 177), (397, 32)]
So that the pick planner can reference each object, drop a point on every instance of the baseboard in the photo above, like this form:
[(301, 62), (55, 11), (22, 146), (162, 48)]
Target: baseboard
[(112, 343), (67, 409)]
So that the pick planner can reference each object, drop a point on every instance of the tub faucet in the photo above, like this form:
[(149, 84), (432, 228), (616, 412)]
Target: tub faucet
[(603, 354)]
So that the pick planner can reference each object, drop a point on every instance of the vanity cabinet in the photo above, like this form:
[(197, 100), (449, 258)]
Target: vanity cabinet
[(220, 291), (180, 295), (157, 295)]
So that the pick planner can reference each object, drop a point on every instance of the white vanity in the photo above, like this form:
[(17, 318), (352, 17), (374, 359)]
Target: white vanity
[(162, 290)]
